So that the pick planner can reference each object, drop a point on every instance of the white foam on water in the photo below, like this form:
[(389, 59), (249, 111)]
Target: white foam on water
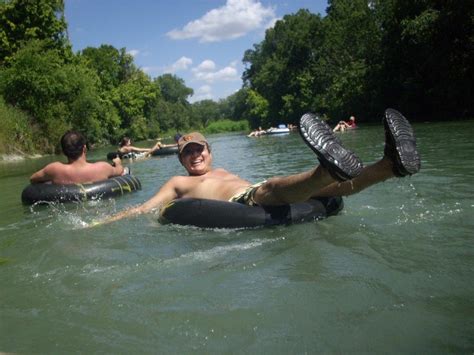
[(219, 251)]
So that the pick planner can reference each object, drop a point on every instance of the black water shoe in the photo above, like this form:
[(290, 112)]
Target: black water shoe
[(400, 144), (341, 163)]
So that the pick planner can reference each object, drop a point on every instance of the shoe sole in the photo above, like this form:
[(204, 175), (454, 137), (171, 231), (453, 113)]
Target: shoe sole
[(340, 162), (402, 138)]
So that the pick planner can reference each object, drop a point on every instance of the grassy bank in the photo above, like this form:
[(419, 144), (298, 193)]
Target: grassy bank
[(17, 137), (16, 134), (227, 126)]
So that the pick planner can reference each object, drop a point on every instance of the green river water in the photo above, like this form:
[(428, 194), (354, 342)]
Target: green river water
[(392, 273)]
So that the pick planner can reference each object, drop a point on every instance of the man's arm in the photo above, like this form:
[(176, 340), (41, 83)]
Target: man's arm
[(168, 145), (43, 175), (167, 193), (117, 167), (132, 149), (157, 146)]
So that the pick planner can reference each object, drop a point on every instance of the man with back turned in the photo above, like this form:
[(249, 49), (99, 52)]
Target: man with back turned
[(77, 169)]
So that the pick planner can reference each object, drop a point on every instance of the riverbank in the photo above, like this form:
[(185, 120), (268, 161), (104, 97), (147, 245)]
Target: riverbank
[(12, 158)]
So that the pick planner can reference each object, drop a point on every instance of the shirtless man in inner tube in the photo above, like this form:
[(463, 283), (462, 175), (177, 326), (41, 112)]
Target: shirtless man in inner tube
[(77, 170), (340, 172)]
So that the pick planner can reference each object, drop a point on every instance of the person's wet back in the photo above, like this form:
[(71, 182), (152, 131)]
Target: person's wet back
[(77, 169)]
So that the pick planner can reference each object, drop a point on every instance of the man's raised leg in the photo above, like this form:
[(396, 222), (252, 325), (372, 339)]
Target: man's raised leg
[(337, 163), (341, 172), (401, 158)]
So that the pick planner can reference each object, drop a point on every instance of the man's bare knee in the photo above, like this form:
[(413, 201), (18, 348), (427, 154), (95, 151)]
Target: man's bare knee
[(268, 194)]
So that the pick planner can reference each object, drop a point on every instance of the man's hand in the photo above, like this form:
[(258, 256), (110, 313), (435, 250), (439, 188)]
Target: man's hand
[(116, 161), (118, 168)]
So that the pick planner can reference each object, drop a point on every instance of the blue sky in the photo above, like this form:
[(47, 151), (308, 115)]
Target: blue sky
[(200, 41)]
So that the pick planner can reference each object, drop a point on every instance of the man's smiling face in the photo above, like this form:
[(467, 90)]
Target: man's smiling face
[(196, 159)]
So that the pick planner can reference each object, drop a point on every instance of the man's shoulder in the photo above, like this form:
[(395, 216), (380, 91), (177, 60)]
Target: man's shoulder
[(100, 164), (181, 178), (56, 165)]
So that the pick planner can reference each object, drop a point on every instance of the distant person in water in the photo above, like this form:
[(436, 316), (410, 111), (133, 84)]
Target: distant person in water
[(342, 126), (176, 138), (340, 172), (126, 146), (77, 170), (257, 133)]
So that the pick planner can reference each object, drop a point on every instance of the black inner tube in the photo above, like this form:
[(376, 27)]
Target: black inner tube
[(222, 214), (132, 155), (166, 151), (112, 187)]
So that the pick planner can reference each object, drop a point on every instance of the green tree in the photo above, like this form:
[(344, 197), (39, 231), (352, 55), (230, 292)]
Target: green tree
[(350, 57), (25, 20), (257, 110), (173, 109), (204, 112), (134, 101), (175, 117), (234, 106), (113, 66), (173, 89), (428, 56), (57, 96), (279, 67)]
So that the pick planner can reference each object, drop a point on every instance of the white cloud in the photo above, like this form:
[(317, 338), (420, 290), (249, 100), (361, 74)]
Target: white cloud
[(206, 72), (235, 19), (272, 23), (151, 70), (202, 93), (133, 52), (181, 64), (206, 66)]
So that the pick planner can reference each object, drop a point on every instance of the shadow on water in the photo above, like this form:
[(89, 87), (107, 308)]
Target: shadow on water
[(391, 273)]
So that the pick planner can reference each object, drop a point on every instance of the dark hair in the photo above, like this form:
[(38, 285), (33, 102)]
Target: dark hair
[(72, 143), (124, 141)]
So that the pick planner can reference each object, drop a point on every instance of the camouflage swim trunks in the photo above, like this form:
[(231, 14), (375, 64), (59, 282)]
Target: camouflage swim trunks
[(246, 197)]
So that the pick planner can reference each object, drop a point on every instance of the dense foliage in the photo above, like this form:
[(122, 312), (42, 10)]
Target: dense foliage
[(364, 56), (361, 57)]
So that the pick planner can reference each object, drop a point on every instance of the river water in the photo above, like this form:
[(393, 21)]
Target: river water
[(392, 273)]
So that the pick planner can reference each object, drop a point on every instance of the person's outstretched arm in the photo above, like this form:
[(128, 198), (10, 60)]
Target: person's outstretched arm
[(168, 145), (132, 149), (167, 193), (156, 147)]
